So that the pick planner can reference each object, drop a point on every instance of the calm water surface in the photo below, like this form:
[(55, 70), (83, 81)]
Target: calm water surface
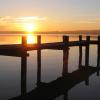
[(52, 64)]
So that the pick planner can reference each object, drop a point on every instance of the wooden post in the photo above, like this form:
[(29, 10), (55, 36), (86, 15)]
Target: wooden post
[(87, 57), (38, 39), (65, 55), (87, 51), (98, 56), (24, 43), (66, 40), (80, 52), (23, 65), (38, 61), (23, 75)]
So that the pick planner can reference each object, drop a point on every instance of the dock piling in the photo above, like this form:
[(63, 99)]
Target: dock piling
[(24, 43), (87, 57), (87, 51), (80, 52), (65, 55), (38, 61), (23, 75), (66, 40), (98, 55)]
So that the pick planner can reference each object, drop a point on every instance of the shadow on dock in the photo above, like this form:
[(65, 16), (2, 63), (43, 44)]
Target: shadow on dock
[(61, 85)]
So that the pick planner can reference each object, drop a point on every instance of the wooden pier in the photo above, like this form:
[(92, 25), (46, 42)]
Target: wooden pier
[(17, 49), (62, 84)]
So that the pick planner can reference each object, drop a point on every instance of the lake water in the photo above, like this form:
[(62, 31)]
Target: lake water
[(51, 69)]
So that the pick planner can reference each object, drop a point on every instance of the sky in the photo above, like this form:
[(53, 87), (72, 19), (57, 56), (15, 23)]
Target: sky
[(50, 15)]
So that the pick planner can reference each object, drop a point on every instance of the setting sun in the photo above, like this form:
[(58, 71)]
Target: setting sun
[(31, 39), (29, 27)]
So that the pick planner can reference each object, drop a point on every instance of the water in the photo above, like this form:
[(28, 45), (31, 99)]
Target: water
[(52, 66)]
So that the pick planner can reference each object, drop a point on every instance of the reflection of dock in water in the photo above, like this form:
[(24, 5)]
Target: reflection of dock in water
[(61, 85)]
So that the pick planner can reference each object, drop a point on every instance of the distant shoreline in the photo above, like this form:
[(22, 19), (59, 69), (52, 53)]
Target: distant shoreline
[(83, 32)]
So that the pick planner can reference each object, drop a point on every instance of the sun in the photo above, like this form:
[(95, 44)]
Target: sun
[(29, 27), (31, 38)]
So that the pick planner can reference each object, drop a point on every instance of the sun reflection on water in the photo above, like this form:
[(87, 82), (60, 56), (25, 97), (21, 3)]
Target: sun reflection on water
[(31, 38)]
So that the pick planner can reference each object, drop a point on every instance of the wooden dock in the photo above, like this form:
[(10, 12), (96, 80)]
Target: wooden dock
[(18, 49), (64, 83)]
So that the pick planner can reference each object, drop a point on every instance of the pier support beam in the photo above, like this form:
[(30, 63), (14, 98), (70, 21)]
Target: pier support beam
[(38, 61), (24, 66), (24, 41), (23, 75), (87, 51), (87, 57), (80, 52), (65, 55), (98, 56)]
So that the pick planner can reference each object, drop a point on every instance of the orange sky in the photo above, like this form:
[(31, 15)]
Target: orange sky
[(49, 15)]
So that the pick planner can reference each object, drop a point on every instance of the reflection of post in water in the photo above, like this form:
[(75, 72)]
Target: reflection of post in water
[(80, 52), (23, 66), (38, 61), (87, 56), (98, 56), (65, 55)]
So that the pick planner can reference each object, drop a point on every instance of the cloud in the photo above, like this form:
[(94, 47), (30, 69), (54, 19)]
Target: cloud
[(89, 21), (25, 19)]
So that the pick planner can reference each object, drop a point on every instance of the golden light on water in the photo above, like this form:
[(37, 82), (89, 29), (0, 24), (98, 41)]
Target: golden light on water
[(31, 38)]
